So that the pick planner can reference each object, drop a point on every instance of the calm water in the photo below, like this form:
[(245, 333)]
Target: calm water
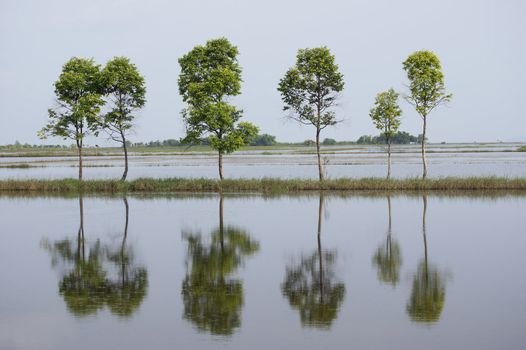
[(305, 272), (357, 161)]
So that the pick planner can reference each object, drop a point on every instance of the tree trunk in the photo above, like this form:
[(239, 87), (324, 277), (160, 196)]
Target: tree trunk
[(81, 227), (388, 158), (220, 165), (123, 244), (320, 166), (424, 162), (125, 148), (79, 147)]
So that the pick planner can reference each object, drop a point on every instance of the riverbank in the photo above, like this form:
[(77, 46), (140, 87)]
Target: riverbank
[(265, 185)]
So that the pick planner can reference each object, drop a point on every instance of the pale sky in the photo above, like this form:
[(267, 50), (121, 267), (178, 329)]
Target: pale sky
[(481, 44)]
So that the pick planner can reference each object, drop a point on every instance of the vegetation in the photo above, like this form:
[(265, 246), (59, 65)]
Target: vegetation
[(79, 101), (265, 185), (399, 137), (426, 89), (386, 117), (522, 149), (310, 90), (209, 75), (124, 89)]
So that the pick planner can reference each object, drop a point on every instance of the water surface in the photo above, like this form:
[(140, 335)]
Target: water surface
[(302, 272)]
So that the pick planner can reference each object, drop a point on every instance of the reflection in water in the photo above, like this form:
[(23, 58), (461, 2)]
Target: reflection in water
[(310, 287), (429, 292), (212, 298), (388, 258), (88, 284)]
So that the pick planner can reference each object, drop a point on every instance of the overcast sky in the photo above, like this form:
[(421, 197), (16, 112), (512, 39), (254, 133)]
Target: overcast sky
[(481, 44)]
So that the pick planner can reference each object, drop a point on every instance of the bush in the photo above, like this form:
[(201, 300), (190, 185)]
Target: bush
[(328, 141)]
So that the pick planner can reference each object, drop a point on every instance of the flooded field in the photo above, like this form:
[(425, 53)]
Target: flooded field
[(299, 162), (422, 271)]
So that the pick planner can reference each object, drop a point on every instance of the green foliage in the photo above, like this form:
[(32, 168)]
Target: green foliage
[(209, 75), (522, 149), (386, 113), (329, 142), (399, 137), (79, 100), (264, 140), (311, 87), (125, 88), (426, 82)]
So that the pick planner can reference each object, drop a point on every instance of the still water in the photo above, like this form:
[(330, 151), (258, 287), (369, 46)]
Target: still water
[(235, 272)]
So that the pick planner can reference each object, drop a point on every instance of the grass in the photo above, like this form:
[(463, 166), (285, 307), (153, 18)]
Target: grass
[(266, 185), (522, 149)]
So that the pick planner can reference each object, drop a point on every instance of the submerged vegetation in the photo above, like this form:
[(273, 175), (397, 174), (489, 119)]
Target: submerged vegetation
[(265, 185)]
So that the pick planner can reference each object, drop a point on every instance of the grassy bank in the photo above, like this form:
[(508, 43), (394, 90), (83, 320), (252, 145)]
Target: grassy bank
[(267, 185)]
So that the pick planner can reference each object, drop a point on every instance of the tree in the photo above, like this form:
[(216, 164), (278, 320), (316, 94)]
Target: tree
[(310, 286), (125, 89), (79, 101), (426, 89), (212, 298), (209, 75), (386, 117), (310, 90), (264, 140)]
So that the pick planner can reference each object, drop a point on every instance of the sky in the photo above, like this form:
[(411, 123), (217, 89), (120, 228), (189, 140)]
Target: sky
[(481, 45)]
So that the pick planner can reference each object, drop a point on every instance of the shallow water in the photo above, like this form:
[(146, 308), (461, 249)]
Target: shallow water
[(371, 161), (201, 272)]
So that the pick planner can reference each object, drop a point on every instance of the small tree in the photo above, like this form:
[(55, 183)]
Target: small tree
[(78, 104), (209, 75), (310, 90), (125, 89), (426, 87), (386, 117)]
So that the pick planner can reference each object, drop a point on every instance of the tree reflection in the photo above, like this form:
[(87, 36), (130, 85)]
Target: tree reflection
[(88, 284), (428, 293), (310, 287), (212, 298), (387, 257)]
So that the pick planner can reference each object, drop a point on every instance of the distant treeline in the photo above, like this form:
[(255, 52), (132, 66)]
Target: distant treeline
[(401, 137)]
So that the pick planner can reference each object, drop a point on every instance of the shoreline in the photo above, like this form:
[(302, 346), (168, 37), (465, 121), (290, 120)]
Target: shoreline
[(265, 185)]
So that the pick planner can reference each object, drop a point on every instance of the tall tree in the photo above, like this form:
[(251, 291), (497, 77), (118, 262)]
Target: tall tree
[(386, 117), (310, 90), (125, 89), (209, 75), (79, 100), (426, 89)]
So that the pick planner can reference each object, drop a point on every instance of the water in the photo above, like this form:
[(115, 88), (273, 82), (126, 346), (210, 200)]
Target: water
[(351, 161), (200, 272)]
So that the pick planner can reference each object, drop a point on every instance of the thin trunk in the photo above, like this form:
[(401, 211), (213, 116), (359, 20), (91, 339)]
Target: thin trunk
[(125, 148), (320, 166), (79, 147), (220, 161), (388, 158), (320, 253), (424, 162)]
